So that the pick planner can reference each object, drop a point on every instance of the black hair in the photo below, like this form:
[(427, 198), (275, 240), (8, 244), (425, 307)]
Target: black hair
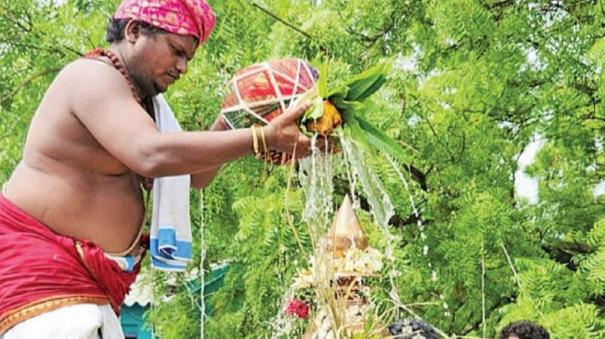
[(115, 29), (412, 328), (524, 330)]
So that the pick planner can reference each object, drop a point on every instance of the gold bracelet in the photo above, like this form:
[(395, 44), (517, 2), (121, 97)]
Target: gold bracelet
[(254, 141), (263, 140)]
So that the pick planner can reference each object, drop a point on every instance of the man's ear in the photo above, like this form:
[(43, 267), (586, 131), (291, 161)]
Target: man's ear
[(132, 31)]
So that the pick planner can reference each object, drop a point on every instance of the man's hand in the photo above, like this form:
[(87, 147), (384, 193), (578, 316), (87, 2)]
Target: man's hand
[(283, 133)]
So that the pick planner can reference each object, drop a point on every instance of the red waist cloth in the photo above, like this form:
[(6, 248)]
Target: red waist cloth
[(41, 270)]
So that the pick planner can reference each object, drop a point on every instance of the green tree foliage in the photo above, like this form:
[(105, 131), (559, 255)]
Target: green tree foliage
[(474, 82)]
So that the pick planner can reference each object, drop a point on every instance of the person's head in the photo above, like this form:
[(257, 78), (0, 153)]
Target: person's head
[(411, 328), (524, 330), (156, 39)]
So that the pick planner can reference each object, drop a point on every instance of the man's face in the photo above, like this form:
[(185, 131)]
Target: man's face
[(160, 59)]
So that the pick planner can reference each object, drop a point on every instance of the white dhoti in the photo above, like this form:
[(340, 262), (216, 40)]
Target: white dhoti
[(84, 321)]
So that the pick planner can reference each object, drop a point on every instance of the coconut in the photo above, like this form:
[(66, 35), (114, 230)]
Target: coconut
[(259, 93)]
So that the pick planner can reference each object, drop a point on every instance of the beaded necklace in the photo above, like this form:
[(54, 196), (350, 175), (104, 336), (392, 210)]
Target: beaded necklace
[(117, 64), (146, 104)]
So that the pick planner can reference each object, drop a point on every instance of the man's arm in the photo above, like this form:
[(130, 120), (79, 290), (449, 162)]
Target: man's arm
[(202, 179), (103, 102)]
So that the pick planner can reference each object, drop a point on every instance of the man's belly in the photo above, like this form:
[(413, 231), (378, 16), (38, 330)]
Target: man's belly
[(107, 210)]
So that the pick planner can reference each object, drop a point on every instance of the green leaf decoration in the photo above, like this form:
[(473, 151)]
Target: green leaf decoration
[(363, 85), (315, 112), (380, 141), (322, 84), (353, 131)]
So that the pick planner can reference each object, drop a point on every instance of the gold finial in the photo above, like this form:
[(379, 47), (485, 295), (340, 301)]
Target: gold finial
[(345, 231)]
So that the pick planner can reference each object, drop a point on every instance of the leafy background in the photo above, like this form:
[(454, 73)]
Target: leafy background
[(475, 82)]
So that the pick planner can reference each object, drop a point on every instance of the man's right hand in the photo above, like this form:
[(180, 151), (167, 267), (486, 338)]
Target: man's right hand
[(283, 133)]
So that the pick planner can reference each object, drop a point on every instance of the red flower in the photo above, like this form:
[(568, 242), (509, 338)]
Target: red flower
[(298, 308)]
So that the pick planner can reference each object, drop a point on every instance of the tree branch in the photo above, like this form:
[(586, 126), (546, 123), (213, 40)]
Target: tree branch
[(15, 21), (563, 251), (289, 25), (26, 82), (274, 16), (439, 141), (418, 176), (497, 4), (473, 326)]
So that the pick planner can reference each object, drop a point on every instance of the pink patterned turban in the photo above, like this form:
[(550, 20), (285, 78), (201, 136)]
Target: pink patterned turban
[(186, 17)]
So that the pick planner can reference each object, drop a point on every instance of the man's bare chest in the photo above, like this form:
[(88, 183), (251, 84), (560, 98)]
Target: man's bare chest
[(70, 143)]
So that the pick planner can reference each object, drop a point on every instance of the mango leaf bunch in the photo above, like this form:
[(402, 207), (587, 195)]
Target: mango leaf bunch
[(342, 108), (260, 92)]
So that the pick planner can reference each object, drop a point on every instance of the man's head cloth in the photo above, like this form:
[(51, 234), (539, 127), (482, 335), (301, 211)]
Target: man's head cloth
[(185, 17)]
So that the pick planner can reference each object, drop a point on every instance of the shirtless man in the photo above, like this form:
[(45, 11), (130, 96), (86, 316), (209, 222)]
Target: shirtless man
[(77, 189)]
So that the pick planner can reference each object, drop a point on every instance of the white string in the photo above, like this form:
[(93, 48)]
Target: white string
[(255, 69), (250, 107), (483, 290), (244, 103), (202, 258), (275, 88), (296, 82), (510, 262), (257, 104), (309, 73)]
